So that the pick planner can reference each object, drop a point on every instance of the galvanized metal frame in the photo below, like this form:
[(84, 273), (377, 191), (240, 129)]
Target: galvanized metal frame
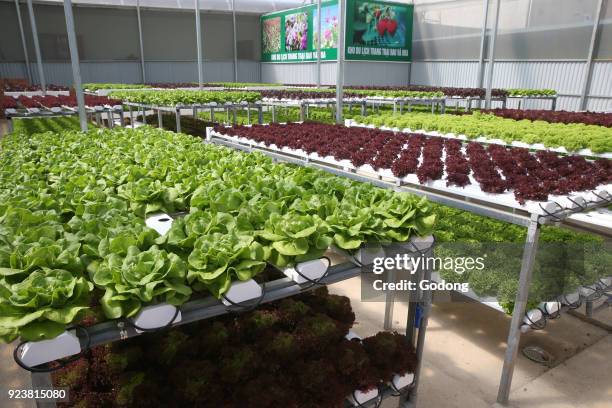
[(23, 41), (588, 72), (340, 63), (520, 306), (74, 60), (318, 43), (199, 43), (235, 38), (140, 43), (492, 55), (483, 40), (41, 74)]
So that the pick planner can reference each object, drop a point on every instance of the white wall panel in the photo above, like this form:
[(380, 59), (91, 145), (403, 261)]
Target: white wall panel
[(564, 76), (13, 70), (356, 73), (60, 73), (601, 81), (445, 73)]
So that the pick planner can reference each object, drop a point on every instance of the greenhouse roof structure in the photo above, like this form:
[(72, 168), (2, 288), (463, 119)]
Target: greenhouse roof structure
[(244, 6)]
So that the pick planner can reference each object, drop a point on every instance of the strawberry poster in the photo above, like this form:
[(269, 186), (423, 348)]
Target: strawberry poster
[(378, 31)]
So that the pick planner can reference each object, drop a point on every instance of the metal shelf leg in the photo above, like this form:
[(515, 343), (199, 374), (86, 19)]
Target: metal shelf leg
[(43, 381), (418, 317), (389, 302), (514, 336)]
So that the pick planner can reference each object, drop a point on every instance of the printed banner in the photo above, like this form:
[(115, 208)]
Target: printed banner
[(375, 31), (378, 31), (291, 35)]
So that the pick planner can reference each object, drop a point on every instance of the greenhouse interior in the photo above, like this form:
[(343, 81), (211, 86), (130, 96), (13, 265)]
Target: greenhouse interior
[(306, 204)]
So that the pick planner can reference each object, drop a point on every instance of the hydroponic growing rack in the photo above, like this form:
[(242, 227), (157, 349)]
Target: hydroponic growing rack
[(531, 216), (81, 339), (522, 100), (99, 113), (193, 109)]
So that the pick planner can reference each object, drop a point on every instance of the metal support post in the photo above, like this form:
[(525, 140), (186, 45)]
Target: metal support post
[(131, 116), (340, 63), (260, 114), (23, 42), (248, 109), (140, 42), (492, 55), (43, 381), (319, 43), (74, 60), (273, 113), (520, 304), (41, 74), (212, 114), (419, 322), (121, 118), (235, 41), (483, 39), (588, 308), (178, 120), (160, 122), (110, 117), (588, 74), (199, 44), (389, 301), (234, 115), (195, 113), (144, 115)]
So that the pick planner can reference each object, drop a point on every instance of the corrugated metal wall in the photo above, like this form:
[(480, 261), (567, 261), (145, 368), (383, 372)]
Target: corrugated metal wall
[(60, 73), (564, 76), (356, 73)]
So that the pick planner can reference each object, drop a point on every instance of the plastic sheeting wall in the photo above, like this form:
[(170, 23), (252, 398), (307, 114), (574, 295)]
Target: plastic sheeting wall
[(109, 51), (60, 73), (564, 76), (355, 73)]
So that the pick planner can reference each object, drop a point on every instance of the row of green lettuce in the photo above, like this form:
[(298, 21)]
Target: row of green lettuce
[(531, 92), (565, 261), (94, 86), (572, 136), (174, 97), (72, 233)]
